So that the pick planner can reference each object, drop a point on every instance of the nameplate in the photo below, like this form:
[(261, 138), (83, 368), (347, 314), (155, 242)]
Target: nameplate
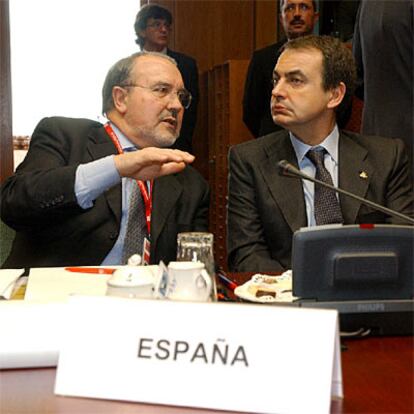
[(239, 357)]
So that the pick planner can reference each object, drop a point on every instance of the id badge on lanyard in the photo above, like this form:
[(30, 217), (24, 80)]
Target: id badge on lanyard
[(146, 196)]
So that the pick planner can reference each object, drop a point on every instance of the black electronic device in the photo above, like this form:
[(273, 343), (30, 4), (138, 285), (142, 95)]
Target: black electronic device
[(353, 262), (366, 272), (370, 317)]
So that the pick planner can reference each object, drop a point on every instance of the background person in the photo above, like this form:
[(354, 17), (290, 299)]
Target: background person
[(313, 83), (298, 18), (153, 25), (383, 47), (69, 199)]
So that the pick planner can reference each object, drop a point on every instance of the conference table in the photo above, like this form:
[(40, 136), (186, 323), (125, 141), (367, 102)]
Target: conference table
[(378, 377)]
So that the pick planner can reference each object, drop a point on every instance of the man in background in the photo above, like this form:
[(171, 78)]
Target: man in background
[(153, 26), (313, 83), (93, 194), (298, 18), (383, 47)]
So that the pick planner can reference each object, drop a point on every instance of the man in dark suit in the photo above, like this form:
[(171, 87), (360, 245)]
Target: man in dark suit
[(152, 27), (69, 201), (313, 83), (298, 18), (383, 48)]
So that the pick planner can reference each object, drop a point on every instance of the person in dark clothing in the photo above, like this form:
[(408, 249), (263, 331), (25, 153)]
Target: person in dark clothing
[(298, 18), (152, 27)]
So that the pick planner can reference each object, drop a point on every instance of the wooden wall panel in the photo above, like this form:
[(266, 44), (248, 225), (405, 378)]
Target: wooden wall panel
[(213, 31), (266, 23), (191, 34), (226, 128), (230, 31), (201, 138)]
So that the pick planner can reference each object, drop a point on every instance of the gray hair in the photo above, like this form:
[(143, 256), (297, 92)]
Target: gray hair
[(120, 75)]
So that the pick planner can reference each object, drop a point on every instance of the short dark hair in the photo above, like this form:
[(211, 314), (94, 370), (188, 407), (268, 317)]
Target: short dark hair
[(282, 2), (149, 11), (120, 75), (338, 65)]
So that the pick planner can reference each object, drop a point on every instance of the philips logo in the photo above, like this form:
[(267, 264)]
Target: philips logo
[(371, 307)]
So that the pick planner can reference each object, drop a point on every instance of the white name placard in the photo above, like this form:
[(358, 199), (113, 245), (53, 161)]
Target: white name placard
[(252, 358), (30, 334)]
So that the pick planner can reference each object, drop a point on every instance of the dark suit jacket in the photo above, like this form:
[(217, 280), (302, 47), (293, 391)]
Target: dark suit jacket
[(383, 48), (258, 91), (188, 68), (265, 209), (52, 230)]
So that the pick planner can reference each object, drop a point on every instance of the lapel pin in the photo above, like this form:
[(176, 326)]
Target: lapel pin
[(363, 175)]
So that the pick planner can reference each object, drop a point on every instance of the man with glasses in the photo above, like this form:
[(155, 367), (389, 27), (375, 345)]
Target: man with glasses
[(70, 199), (298, 18), (153, 27)]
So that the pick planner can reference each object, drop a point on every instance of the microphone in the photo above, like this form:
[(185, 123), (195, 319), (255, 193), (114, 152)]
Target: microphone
[(287, 169)]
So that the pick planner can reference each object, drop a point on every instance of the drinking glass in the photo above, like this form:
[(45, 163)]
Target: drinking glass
[(198, 247)]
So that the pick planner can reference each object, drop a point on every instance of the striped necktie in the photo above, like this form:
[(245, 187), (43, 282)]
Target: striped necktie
[(136, 230)]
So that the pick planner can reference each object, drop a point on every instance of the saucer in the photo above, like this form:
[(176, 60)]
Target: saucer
[(263, 288)]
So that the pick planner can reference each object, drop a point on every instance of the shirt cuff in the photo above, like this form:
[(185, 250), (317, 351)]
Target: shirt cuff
[(93, 178)]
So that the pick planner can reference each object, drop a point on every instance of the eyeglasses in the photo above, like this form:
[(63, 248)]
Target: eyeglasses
[(161, 91), (157, 24)]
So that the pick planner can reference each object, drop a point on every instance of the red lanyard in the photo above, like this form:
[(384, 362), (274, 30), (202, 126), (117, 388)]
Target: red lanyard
[(147, 196)]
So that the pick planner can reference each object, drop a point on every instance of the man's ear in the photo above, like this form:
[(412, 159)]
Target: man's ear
[(120, 98), (337, 95)]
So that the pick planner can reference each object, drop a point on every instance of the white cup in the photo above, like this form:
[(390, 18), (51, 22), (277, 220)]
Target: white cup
[(188, 281), (198, 247), (131, 282)]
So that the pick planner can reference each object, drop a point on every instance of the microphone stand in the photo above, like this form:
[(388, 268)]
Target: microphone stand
[(289, 170)]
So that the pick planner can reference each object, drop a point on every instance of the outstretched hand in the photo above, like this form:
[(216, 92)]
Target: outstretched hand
[(151, 162)]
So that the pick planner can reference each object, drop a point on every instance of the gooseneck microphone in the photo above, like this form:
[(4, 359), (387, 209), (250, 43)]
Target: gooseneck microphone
[(287, 169)]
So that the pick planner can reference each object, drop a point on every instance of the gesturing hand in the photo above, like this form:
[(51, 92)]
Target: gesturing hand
[(151, 162)]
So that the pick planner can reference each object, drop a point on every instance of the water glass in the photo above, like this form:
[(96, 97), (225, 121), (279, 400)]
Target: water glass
[(198, 247)]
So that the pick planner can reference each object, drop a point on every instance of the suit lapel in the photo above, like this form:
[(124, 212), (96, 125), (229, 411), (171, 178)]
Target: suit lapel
[(167, 190), (355, 174), (99, 146), (286, 192)]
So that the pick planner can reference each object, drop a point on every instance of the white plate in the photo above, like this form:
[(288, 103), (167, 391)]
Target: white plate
[(280, 285)]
